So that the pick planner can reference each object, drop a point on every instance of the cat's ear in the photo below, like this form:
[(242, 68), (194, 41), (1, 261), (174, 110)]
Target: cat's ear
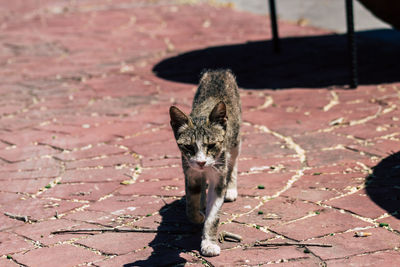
[(218, 114), (178, 118)]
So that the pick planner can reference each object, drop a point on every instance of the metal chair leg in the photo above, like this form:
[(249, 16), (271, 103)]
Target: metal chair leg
[(274, 26), (351, 40), (352, 46)]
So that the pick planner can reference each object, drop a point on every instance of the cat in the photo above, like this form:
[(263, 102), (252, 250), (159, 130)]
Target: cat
[(209, 140)]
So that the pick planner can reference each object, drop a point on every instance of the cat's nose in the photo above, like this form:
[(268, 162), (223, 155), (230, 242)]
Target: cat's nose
[(201, 163)]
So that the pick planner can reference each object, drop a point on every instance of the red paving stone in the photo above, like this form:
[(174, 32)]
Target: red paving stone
[(256, 256), (320, 186), (7, 263), (30, 186), (26, 152), (98, 151), (251, 185), (29, 165), (322, 223), (161, 173), (126, 205), (152, 257), (160, 188), (97, 175), (345, 245), (85, 191), (85, 140), (278, 211), (6, 223), (386, 258), (12, 243), (107, 161), (161, 162), (366, 207), (51, 172), (251, 165), (295, 263), (115, 243), (39, 209), (62, 255), (241, 205), (42, 231), (93, 217)]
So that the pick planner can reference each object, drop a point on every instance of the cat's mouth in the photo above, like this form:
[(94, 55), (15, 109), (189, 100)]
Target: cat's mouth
[(199, 165), (200, 168)]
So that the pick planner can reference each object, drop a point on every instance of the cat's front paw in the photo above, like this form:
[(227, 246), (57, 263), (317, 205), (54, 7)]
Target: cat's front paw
[(209, 248), (231, 195), (196, 217)]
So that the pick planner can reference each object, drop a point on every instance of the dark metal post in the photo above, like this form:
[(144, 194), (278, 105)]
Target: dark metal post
[(274, 26), (351, 44)]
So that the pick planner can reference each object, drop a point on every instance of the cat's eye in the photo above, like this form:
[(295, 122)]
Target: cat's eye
[(188, 148), (210, 146)]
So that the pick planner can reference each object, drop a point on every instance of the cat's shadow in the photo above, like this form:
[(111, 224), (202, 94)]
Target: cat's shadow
[(168, 249), (304, 62), (383, 185)]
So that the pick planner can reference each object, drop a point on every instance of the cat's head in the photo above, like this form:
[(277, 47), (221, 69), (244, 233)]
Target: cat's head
[(200, 139)]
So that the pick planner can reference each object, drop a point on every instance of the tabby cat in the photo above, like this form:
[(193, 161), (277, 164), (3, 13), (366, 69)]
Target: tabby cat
[(209, 141)]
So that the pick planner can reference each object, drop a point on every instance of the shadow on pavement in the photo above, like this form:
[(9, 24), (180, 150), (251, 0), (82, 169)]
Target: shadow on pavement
[(167, 247), (383, 186), (305, 62)]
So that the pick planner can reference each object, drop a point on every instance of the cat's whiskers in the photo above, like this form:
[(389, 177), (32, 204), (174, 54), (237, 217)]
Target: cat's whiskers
[(219, 171), (217, 164), (219, 161)]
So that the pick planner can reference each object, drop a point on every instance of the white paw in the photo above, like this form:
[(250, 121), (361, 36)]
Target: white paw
[(231, 195), (209, 249)]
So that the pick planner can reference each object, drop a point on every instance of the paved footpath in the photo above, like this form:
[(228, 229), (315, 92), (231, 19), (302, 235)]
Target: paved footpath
[(85, 141)]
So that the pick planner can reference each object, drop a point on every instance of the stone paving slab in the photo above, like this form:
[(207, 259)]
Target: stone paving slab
[(85, 141)]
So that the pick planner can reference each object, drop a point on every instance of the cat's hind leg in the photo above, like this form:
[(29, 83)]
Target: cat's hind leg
[(231, 192)]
